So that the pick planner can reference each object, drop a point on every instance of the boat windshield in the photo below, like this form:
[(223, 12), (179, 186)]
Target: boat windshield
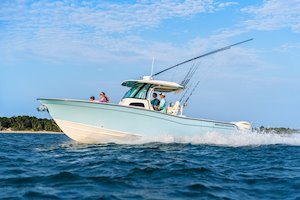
[(138, 91)]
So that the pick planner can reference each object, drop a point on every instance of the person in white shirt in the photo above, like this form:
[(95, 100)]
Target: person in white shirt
[(163, 103)]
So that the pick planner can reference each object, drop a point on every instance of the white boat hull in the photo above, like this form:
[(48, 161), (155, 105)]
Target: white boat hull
[(89, 122), (93, 135)]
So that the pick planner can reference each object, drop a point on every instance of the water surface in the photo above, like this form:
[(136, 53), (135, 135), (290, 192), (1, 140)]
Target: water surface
[(214, 167)]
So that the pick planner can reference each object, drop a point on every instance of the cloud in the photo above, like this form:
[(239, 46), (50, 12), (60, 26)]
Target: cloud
[(274, 15), (101, 16), (288, 46), (92, 30), (226, 4), (101, 32)]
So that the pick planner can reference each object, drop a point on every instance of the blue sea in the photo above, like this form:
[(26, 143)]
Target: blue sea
[(249, 166)]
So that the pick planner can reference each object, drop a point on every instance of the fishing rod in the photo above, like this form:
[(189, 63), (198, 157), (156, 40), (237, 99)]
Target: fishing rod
[(184, 94), (190, 74), (186, 80), (187, 75), (188, 98), (201, 56)]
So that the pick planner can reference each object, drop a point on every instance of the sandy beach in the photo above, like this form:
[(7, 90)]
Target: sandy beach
[(29, 132)]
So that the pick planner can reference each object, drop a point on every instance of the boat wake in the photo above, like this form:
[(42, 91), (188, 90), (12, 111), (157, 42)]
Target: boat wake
[(234, 139)]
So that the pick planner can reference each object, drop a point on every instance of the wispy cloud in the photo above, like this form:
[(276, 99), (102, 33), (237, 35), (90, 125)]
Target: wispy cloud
[(288, 46), (61, 29), (100, 16), (273, 15), (268, 16), (99, 31), (226, 4)]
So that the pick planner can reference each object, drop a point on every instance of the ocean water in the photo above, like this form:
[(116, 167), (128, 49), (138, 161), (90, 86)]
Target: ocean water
[(214, 166)]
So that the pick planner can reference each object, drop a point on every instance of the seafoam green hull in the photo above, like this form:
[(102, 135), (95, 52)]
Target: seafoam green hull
[(90, 122)]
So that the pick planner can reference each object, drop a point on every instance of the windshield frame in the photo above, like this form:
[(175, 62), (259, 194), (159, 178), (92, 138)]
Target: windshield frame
[(138, 91)]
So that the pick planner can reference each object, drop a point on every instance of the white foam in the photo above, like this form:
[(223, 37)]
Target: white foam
[(228, 139)]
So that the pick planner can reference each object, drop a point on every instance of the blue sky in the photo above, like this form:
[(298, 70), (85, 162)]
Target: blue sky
[(75, 49)]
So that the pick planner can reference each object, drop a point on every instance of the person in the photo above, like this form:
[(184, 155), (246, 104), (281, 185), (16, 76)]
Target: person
[(103, 98), (155, 101), (92, 98), (163, 104)]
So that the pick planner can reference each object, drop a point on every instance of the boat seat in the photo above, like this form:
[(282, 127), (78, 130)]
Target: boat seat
[(173, 110)]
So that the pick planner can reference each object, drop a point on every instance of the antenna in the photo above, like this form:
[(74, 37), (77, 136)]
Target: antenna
[(201, 56), (152, 67)]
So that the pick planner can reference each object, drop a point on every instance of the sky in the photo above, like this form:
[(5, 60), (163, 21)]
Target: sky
[(75, 49)]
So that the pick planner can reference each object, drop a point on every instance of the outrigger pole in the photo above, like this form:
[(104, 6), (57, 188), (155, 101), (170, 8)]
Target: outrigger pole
[(201, 56)]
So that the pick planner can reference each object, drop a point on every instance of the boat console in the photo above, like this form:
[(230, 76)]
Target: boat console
[(140, 93)]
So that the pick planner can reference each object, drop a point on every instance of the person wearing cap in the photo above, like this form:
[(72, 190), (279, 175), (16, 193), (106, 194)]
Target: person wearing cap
[(155, 101), (163, 104)]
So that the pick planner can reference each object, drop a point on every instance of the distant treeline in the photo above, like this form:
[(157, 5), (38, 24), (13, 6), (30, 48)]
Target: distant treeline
[(27, 123), (281, 130)]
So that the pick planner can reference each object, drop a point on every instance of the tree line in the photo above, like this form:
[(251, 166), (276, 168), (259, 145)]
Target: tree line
[(28, 123)]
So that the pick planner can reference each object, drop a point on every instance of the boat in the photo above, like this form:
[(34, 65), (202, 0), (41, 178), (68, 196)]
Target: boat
[(133, 118)]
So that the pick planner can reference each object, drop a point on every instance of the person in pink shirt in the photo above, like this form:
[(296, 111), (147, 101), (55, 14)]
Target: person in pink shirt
[(103, 98)]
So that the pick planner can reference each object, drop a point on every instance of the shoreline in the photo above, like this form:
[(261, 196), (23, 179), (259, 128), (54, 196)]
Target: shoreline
[(29, 132)]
